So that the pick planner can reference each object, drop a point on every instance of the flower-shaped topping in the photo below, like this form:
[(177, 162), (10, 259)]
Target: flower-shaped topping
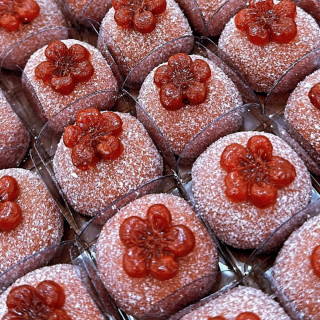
[(45, 302), (13, 13), (10, 211), (154, 244), (263, 21), (314, 95), (241, 316), (254, 175), (65, 67), (182, 81), (138, 14), (93, 137), (315, 260)]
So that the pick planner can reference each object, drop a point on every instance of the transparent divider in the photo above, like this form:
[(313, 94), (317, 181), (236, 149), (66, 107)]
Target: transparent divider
[(278, 95)]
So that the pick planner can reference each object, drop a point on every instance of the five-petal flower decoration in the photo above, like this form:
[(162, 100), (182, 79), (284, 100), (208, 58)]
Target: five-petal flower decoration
[(41, 303), (315, 260), (254, 175), (10, 211), (263, 21), (182, 81), (95, 136), (13, 13), (314, 95), (138, 14), (154, 244), (65, 67)]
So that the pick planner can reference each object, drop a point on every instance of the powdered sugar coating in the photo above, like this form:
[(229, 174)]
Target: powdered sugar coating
[(32, 36), (42, 223), (92, 9), (243, 225), (302, 114), (263, 65), (129, 46), (137, 295), (180, 126), (240, 299), (13, 135), (51, 102), (90, 191), (293, 272), (78, 303)]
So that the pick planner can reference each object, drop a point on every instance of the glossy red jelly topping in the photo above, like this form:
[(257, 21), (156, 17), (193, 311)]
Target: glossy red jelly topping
[(247, 316), (65, 67), (217, 318), (10, 211), (13, 13), (138, 14), (154, 244), (182, 81), (263, 21), (315, 260), (254, 175), (45, 302), (314, 95), (95, 136)]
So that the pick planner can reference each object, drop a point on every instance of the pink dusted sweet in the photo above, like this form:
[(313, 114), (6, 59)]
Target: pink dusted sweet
[(130, 44), (247, 184), (263, 62), (302, 112), (89, 9), (40, 223), (187, 116), (240, 303), (76, 305), (210, 17), (89, 177), (14, 137), (52, 83), (28, 31), (177, 250), (296, 269)]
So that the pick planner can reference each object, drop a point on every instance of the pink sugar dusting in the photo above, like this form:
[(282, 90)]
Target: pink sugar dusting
[(137, 295), (16, 47), (240, 299), (42, 223), (13, 135), (180, 126), (93, 9), (129, 46), (263, 65), (90, 191), (302, 114), (52, 102), (78, 303), (243, 225), (293, 273)]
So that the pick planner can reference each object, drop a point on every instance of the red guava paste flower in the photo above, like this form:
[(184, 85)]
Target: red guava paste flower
[(138, 14), (95, 136), (315, 260), (263, 21), (314, 95), (65, 67), (154, 244), (182, 81), (45, 302), (254, 175), (13, 13), (10, 211), (241, 316)]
